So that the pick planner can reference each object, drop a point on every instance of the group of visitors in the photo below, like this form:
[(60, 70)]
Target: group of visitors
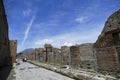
[(18, 61)]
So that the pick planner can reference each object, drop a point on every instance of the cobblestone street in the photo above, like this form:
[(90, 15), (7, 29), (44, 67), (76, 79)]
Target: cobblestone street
[(27, 71)]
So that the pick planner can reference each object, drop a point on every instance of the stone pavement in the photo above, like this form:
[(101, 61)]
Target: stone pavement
[(27, 71), (73, 73)]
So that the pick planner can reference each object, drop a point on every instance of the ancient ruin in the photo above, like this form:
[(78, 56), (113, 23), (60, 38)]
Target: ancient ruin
[(57, 55), (48, 50), (107, 47), (75, 56), (103, 55), (65, 51), (87, 57), (40, 55), (59, 23), (13, 50), (5, 57)]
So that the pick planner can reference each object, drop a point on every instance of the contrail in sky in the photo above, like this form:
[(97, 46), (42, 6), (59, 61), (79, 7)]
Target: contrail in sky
[(29, 25)]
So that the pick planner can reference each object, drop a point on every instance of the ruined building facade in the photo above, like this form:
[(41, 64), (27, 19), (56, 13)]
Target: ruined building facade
[(5, 57), (75, 56), (78, 56), (107, 47), (87, 57), (56, 56), (13, 50), (48, 54), (66, 58), (48, 50), (40, 54), (82, 56)]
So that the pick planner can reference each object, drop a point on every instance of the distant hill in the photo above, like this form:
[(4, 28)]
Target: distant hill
[(26, 51)]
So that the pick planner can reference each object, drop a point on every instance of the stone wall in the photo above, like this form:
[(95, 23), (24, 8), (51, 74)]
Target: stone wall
[(51, 57), (107, 47), (48, 49), (75, 56), (13, 49), (57, 57), (5, 57), (113, 22), (65, 51), (87, 58), (48, 54), (39, 53)]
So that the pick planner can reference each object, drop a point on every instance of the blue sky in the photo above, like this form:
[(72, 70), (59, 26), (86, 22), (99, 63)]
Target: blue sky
[(59, 22)]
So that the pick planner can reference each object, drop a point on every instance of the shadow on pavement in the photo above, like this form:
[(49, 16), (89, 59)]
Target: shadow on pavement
[(4, 72)]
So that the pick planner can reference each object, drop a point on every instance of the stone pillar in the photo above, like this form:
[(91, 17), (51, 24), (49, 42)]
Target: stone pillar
[(13, 50), (44, 56), (40, 54), (48, 49), (65, 50), (87, 58), (75, 56), (37, 54)]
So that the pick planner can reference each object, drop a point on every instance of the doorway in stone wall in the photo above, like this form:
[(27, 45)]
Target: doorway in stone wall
[(116, 38)]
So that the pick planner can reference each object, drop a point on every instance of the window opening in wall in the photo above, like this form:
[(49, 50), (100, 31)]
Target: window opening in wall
[(116, 38), (88, 64), (88, 67)]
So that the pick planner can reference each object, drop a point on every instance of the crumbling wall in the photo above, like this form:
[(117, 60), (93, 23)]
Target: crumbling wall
[(39, 53), (87, 58), (75, 56), (108, 44), (5, 57), (48, 49), (65, 50), (50, 57), (13, 49), (57, 57)]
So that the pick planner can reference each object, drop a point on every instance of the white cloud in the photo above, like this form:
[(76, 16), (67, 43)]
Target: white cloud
[(27, 12), (68, 44), (81, 19), (71, 38), (42, 42), (29, 25)]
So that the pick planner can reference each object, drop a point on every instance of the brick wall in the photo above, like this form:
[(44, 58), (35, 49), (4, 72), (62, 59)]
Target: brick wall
[(13, 49), (108, 45), (75, 56), (5, 57), (87, 58), (65, 51)]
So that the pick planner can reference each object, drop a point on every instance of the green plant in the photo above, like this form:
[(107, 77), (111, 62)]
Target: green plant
[(104, 72), (70, 74), (117, 75)]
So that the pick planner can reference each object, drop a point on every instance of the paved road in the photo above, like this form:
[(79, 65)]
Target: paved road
[(27, 71)]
